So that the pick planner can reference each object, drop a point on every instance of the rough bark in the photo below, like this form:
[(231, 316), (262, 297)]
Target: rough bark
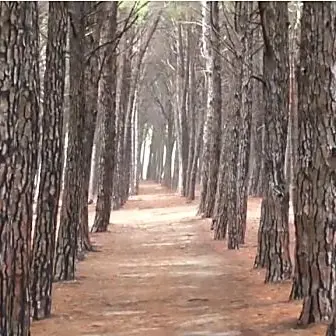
[(93, 25), (51, 163), (300, 241), (230, 216), (220, 219), (108, 105), (214, 118), (315, 181), (119, 193), (19, 99), (244, 11), (66, 246), (197, 147), (274, 19), (209, 114), (257, 166)]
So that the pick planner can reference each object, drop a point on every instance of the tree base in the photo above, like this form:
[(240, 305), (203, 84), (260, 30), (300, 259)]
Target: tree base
[(296, 291), (316, 308)]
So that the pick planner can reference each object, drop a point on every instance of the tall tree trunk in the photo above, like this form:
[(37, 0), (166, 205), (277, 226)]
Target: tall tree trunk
[(92, 40), (167, 176), (274, 19), (257, 166), (19, 99), (108, 105), (300, 240), (119, 194), (315, 181), (205, 157), (192, 122), (220, 219), (244, 11), (51, 163), (66, 246), (214, 119), (96, 150), (194, 167)]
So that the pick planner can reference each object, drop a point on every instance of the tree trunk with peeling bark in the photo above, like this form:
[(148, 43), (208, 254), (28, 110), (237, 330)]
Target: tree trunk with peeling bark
[(51, 163), (19, 88), (300, 253)]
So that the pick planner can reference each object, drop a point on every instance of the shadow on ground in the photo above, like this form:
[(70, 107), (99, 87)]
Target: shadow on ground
[(159, 273)]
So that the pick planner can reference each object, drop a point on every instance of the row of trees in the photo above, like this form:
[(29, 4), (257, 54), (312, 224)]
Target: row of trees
[(249, 91), (69, 79), (238, 96)]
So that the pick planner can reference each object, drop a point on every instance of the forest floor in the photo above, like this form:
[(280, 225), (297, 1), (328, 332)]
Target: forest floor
[(158, 272)]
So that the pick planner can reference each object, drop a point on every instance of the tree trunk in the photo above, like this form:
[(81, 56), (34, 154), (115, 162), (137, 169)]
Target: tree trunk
[(91, 94), (108, 105), (315, 181), (176, 173), (300, 241), (230, 216), (96, 150), (119, 194), (274, 19), (51, 163), (19, 99), (244, 11), (167, 176), (220, 220), (214, 119), (66, 246), (199, 124), (205, 157), (257, 166), (194, 166)]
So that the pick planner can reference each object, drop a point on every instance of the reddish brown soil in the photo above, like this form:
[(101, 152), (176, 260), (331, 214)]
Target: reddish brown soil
[(158, 272)]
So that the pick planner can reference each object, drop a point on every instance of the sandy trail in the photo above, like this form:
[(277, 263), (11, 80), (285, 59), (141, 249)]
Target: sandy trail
[(158, 272)]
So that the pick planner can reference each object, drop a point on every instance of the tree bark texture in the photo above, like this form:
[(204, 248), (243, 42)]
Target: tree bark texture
[(275, 212), (243, 12), (93, 25), (19, 99), (315, 181), (214, 117), (67, 239), (205, 157), (108, 105), (51, 163)]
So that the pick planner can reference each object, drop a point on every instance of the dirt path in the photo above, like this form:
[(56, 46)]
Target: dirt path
[(159, 273)]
